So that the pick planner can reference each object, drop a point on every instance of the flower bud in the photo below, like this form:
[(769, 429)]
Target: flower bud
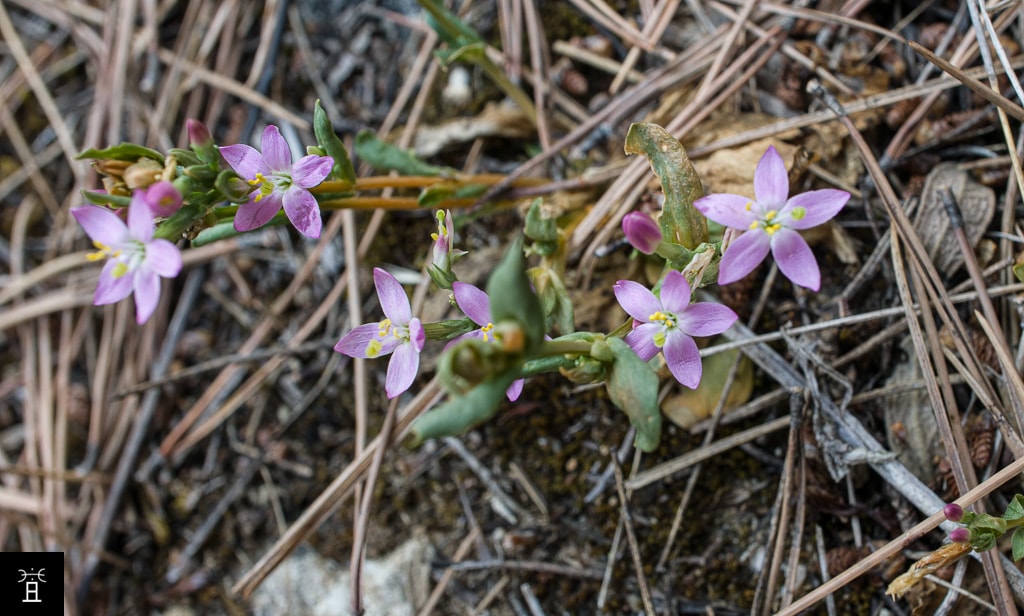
[(198, 134), (642, 232), (953, 512), (960, 535), (162, 198)]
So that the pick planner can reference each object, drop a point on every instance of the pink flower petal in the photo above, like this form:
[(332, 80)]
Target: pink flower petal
[(819, 206), (641, 340), (101, 225), (795, 259), (675, 292), (771, 182), (354, 343), (636, 299), (727, 210), (110, 289), (245, 160), (393, 300), (303, 211), (515, 389), (417, 336), (309, 171), (254, 214), (743, 255), (147, 294), (401, 370), (473, 302), (683, 358), (705, 319), (275, 149), (163, 258), (140, 217)]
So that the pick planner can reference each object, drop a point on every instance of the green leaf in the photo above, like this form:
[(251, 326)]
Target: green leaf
[(983, 541), (461, 413), (125, 151), (1018, 544), (384, 156), (633, 387), (680, 221), (434, 196), (448, 26), (1015, 510), (226, 229), (987, 523), (329, 141), (98, 198), (554, 298), (512, 299)]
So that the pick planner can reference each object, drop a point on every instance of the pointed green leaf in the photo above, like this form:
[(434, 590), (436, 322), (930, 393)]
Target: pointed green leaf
[(1018, 544), (512, 299), (680, 221), (633, 387), (1015, 510), (462, 412), (448, 26), (124, 151), (384, 156), (329, 141)]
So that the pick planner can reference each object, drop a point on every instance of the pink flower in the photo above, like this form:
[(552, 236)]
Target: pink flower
[(475, 304), (135, 261), (278, 183), (771, 222), (669, 324), (642, 232), (399, 333), (960, 535)]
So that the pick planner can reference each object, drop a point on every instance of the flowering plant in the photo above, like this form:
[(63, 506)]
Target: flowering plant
[(206, 193)]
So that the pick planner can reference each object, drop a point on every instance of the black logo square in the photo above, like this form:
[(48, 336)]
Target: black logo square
[(32, 582)]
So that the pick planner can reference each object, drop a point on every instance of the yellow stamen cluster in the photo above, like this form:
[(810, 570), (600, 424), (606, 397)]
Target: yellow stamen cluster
[(661, 317), (266, 187), (767, 222), (487, 329)]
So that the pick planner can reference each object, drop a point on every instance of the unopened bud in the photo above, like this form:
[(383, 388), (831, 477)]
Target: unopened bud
[(642, 232), (162, 198), (198, 134), (960, 535), (953, 512)]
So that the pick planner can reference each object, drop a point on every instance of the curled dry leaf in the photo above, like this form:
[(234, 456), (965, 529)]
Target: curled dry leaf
[(977, 205)]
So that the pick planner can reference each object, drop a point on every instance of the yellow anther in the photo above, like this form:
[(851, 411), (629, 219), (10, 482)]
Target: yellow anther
[(373, 348), (486, 329), (102, 252), (771, 229), (771, 215), (384, 327), (256, 181), (749, 206), (754, 224)]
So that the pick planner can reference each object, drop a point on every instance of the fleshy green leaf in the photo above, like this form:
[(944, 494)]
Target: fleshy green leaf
[(384, 156), (512, 299), (680, 221), (448, 26), (983, 541), (123, 151), (333, 146), (434, 196), (633, 387), (462, 412), (1018, 544), (99, 198), (1015, 510), (984, 522)]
